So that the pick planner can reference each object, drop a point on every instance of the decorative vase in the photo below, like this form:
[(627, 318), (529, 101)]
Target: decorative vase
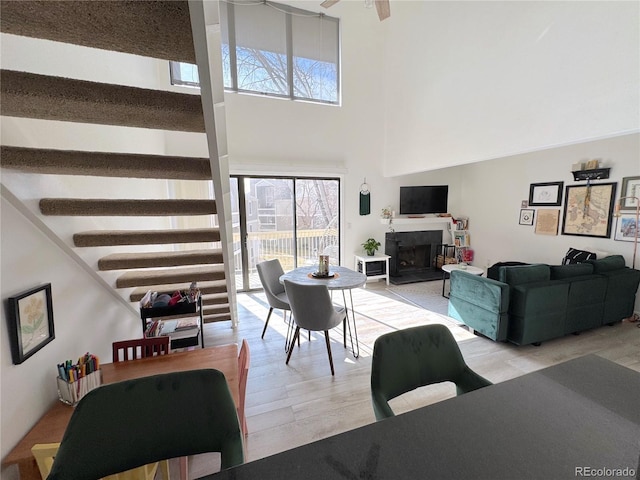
[(371, 253)]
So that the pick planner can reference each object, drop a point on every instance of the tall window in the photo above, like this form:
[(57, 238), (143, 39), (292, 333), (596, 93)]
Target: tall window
[(278, 50)]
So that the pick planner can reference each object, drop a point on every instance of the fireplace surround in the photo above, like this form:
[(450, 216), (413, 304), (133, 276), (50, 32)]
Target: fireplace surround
[(412, 255)]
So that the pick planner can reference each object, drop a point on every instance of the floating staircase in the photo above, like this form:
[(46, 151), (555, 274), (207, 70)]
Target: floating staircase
[(157, 29)]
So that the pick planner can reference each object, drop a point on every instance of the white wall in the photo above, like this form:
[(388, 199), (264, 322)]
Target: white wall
[(287, 137), (490, 194), (473, 81), (86, 318)]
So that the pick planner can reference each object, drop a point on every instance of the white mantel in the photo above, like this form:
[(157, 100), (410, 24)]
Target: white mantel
[(414, 224)]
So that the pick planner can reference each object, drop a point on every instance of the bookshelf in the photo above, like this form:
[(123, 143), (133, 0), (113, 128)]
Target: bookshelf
[(175, 321), (461, 239)]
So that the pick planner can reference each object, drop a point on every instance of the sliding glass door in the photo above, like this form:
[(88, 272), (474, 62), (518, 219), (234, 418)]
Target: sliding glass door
[(293, 219)]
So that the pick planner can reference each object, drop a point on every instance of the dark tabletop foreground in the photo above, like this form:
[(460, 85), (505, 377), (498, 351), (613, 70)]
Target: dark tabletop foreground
[(584, 413)]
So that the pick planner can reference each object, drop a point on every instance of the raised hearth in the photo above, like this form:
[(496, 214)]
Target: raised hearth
[(412, 256)]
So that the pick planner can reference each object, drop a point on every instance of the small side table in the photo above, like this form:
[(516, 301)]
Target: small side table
[(447, 269), (361, 266)]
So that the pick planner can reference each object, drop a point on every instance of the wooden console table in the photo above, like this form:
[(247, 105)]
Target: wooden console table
[(51, 426)]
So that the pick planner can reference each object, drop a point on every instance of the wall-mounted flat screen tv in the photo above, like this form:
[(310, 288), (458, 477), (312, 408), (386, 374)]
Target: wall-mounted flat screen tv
[(423, 199)]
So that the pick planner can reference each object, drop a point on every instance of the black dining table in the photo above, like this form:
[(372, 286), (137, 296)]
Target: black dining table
[(580, 418)]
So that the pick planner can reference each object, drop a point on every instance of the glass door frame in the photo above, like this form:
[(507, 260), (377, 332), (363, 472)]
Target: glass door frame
[(242, 214)]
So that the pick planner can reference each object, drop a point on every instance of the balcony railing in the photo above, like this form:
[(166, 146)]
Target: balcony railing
[(310, 243)]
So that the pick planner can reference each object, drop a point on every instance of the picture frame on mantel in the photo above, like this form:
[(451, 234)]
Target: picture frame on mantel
[(30, 322), (547, 194), (588, 210)]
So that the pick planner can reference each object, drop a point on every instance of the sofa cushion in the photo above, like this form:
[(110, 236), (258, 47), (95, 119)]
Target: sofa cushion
[(577, 256), (603, 265), (480, 303), (520, 274), (572, 270), (493, 270)]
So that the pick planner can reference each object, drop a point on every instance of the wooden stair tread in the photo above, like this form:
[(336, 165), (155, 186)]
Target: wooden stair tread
[(97, 238), (211, 314), (120, 261), (32, 95), (129, 207), (104, 164), (214, 288), (208, 310), (165, 32), (170, 275), (217, 318)]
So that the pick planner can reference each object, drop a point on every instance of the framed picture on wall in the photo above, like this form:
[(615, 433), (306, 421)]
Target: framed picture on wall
[(30, 322), (588, 210), (625, 228), (630, 188), (547, 221), (545, 194), (526, 216)]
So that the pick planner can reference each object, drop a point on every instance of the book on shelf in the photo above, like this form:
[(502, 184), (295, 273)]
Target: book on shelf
[(174, 328), (461, 223), (461, 239)]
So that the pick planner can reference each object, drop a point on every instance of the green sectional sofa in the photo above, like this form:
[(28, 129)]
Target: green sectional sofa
[(529, 304)]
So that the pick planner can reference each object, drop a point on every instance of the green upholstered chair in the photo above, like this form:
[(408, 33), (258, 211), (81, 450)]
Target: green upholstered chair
[(407, 359), (123, 425)]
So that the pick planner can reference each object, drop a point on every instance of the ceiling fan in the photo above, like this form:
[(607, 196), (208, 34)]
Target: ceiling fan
[(382, 6)]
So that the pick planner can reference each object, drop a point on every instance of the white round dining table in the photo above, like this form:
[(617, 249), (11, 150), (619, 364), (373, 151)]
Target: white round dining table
[(340, 278)]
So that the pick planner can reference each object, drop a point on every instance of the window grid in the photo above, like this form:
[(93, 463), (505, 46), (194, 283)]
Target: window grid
[(263, 67)]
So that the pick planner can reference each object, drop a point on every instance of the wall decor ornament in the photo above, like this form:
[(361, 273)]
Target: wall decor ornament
[(30, 322), (365, 198), (545, 194), (526, 216), (588, 210)]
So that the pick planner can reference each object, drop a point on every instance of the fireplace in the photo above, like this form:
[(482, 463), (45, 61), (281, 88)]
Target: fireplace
[(412, 255)]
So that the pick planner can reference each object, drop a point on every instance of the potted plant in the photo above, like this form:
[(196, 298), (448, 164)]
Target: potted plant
[(370, 246)]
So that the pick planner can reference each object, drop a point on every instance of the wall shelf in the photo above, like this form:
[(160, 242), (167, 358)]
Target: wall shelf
[(415, 220), (594, 174)]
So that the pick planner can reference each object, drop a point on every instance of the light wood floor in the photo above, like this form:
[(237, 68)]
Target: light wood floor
[(292, 405)]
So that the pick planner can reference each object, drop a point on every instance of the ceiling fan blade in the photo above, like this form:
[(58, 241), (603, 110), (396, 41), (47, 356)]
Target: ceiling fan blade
[(383, 9), (328, 3)]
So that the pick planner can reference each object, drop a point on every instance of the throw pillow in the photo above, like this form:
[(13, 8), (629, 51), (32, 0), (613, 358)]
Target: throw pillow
[(577, 256)]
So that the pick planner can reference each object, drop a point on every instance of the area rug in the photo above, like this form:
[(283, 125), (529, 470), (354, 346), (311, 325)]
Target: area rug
[(427, 295)]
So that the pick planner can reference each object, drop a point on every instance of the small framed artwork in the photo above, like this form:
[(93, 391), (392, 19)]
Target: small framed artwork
[(524, 203), (547, 221), (30, 322), (630, 188), (545, 194), (588, 210), (526, 216), (626, 227)]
